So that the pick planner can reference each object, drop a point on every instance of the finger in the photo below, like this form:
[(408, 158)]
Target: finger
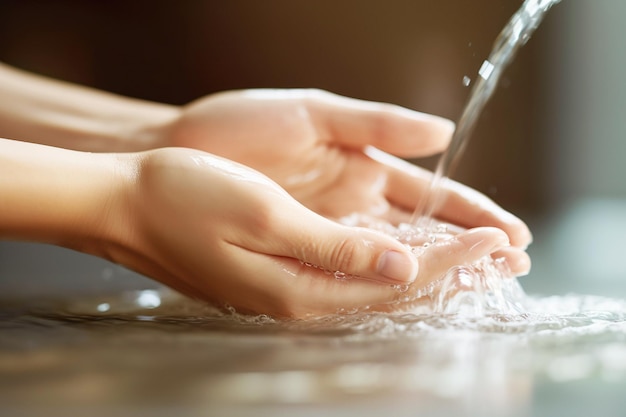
[(285, 287), (464, 248), (306, 236), (517, 260), (357, 123), (355, 251), (460, 205), (396, 215)]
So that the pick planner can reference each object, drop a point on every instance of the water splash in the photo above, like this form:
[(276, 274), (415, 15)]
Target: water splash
[(482, 288)]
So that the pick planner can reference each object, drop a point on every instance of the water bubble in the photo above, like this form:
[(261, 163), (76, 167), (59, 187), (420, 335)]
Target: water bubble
[(400, 288), (406, 299), (103, 307), (149, 299), (341, 276)]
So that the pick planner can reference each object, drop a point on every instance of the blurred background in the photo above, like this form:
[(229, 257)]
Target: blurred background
[(549, 146)]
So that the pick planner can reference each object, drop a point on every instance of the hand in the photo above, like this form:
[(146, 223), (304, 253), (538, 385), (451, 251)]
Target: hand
[(217, 230), (328, 152)]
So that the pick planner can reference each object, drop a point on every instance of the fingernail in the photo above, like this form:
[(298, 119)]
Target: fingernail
[(397, 266)]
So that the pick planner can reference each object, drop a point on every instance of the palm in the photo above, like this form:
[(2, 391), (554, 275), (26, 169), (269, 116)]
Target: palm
[(284, 137)]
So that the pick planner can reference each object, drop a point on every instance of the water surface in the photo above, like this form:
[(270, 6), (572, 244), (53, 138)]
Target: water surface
[(152, 351)]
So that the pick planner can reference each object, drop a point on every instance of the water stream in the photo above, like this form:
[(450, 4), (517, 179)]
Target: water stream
[(485, 287)]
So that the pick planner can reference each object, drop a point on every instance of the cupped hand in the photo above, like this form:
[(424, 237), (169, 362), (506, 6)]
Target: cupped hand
[(333, 154), (219, 231)]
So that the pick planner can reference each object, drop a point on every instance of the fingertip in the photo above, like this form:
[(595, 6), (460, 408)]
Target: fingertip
[(518, 231), (524, 237), (435, 133), (517, 260), (446, 127), (521, 265)]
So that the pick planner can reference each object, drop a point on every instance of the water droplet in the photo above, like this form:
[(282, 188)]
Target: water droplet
[(442, 228), (104, 307), (466, 81), (340, 275), (400, 288), (149, 299), (486, 70)]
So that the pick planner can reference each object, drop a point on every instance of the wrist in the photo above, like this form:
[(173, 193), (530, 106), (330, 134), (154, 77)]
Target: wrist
[(61, 114), (144, 126), (68, 198)]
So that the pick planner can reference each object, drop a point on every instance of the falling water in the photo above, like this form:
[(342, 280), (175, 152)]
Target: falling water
[(487, 286), (515, 34)]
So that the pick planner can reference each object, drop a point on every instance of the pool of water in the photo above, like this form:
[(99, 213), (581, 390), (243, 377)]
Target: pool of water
[(152, 352)]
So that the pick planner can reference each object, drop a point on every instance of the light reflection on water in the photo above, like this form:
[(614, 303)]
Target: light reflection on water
[(174, 351)]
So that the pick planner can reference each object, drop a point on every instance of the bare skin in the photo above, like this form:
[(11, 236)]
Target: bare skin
[(333, 153), (225, 232)]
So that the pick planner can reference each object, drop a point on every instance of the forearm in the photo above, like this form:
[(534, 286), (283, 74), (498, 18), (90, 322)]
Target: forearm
[(59, 196), (37, 109)]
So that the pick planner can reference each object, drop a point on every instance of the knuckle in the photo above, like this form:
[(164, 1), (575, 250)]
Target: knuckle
[(316, 93), (344, 257), (263, 219), (313, 98)]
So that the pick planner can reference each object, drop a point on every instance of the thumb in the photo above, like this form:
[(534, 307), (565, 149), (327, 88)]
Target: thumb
[(352, 251), (356, 123)]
